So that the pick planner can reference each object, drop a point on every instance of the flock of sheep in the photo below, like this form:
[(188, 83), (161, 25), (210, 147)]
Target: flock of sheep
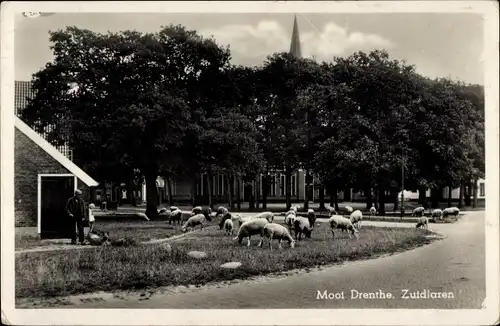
[(263, 223)]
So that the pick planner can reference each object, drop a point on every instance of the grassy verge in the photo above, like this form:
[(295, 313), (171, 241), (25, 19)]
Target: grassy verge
[(46, 274), (137, 230)]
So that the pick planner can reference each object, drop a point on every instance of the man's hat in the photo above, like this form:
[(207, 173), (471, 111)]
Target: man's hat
[(78, 192)]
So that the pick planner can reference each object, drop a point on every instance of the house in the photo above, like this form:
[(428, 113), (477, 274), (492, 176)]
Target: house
[(44, 180)]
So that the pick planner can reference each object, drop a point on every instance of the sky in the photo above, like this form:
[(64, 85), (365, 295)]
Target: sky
[(439, 45)]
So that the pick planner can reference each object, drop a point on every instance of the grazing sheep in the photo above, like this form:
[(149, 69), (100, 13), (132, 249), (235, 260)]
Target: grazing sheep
[(437, 214), (196, 210), (97, 238), (348, 209), (295, 208), (311, 216), (225, 217), (252, 227), (175, 216), (373, 211), (269, 216), (423, 222), (162, 210), (302, 226), (193, 221), (419, 211), (207, 211), (142, 216), (356, 218), (279, 232), (340, 222), (236, 218), (174, 208), (221, 211), (228, 227), (331, 210), (451, 211)]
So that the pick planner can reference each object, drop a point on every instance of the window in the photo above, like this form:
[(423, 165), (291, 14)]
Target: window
[(221, 185), (293, 185), (272, 185), (481, 189), (282, 185)]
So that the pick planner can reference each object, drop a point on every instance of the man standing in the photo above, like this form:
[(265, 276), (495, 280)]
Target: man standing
[(76, 211)]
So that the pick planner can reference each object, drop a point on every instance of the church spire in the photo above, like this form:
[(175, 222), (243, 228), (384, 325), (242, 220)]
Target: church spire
[(295, 43)]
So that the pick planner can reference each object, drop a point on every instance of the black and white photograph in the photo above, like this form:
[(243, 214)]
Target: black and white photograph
[(213, 163)]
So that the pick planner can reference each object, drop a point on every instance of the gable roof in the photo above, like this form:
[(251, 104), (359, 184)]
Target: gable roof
[(52, 151)]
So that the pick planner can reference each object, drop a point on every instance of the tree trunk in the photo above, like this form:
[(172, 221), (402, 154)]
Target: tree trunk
[(381, 201), (229, 190), (435, 197), (330, 190), (368, 194), (151, 195), (335, 199), (474, 194), (461, 195), (238, 193), (130, 193), (396, 200), (468, 193), (193, 190), (347, 194), (170, 194), (257, 192), (450, 192), (265, 187), (306, 194), (288, 190), (422, 196), (321, 197)]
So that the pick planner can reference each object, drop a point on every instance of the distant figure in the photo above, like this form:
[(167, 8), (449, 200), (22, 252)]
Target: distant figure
[(91, 218), (104, 205), (76, 211)]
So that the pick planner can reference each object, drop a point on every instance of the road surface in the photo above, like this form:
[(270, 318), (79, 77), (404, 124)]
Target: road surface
[(455, 264)]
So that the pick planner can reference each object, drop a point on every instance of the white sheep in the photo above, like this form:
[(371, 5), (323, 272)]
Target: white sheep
[(228, 226), (142, 216), (302, 226), (237, 218), (252, 227), (269, 216), (331, 210), (290, 220), (295, 208), (451, 211), (373, 211), (419, 211), (226, 216), (279, 232), (423, 222), (196, 210), (173, 208), (193, 221), (437, 214), (175, 216), (356, 218), (162, 210), (343, 223), (348, 209)]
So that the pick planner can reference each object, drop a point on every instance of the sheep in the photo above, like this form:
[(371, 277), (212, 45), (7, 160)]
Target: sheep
[(252, 227), (302, 226), (295, 208), (423, 222), (221, 211), (340, 222), (290, 220), (331, 210), (269, 216), (97, 238), (348, 209), (228, 226), (419, 211), (356, 218), (175, 216), (198, 219), (311, 216), (237, 218), (279, 232), (162, 210), (437, 214), (225, 217), (207, 211), (174, 208), (451, 211), (373, 211)]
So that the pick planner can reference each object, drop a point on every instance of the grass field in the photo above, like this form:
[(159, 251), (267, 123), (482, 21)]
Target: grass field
[(107, 268), (137, 230)]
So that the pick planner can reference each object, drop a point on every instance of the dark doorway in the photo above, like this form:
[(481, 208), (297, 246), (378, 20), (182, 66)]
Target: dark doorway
[(55, 192)]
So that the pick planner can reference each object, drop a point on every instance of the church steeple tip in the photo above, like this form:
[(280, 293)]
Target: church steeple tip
[(295, 42)]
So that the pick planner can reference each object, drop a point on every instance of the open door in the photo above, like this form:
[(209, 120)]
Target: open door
[(55, 192)]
